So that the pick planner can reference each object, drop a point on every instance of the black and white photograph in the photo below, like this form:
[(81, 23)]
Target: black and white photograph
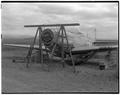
[(59, 47)]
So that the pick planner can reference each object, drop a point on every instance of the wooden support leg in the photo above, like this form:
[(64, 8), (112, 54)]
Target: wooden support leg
[(74, 70), (40, 46), (51, 55), (47, 53), (28, 62), (30, 50), (63, 62), (108, 59), (73, 63)]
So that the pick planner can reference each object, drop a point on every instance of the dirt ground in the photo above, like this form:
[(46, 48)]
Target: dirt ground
[(16, 78)]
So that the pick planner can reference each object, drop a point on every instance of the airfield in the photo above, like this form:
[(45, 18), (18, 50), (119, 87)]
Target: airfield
[(16, 78)]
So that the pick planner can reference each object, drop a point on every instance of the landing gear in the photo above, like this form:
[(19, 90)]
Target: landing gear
[(13, 60), (102, 67)]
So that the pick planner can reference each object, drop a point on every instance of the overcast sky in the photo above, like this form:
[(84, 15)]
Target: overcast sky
[(102, 16)]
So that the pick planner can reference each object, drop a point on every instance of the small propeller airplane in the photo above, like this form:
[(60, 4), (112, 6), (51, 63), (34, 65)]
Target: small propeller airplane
[(80, 53)]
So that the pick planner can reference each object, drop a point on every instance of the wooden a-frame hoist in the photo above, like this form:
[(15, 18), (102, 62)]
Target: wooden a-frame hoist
[(46, 37)]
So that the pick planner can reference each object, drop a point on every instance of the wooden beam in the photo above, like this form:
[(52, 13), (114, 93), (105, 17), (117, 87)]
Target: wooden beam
[(52, 25)]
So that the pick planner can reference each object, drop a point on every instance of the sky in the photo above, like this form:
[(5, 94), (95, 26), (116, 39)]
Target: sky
[(102, 17)]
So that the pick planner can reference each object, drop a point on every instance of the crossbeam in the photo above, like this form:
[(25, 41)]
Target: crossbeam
[(52, 25)]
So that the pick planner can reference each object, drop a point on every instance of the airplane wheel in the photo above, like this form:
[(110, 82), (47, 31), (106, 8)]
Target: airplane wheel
[(102, 67), (70, 63), (13, 60)]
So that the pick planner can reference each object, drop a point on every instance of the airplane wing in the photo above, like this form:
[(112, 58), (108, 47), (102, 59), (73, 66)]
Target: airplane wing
[(76, 50), (86, 49), (24, 46)]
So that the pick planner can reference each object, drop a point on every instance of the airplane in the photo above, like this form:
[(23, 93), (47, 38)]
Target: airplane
[(80, 53)]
